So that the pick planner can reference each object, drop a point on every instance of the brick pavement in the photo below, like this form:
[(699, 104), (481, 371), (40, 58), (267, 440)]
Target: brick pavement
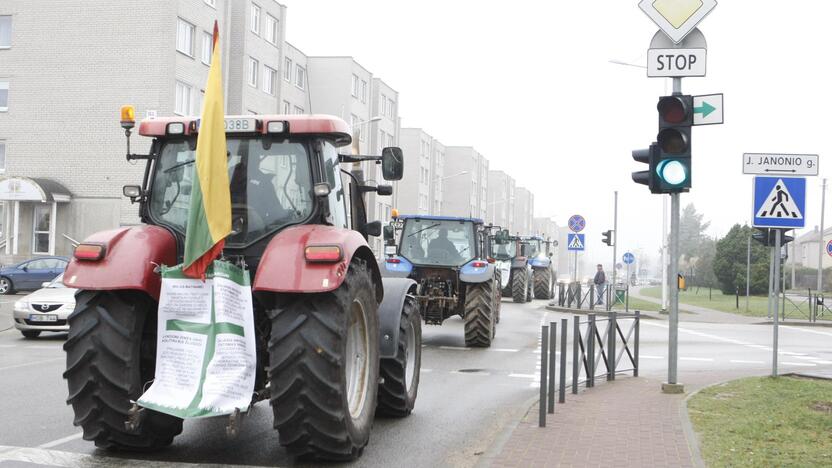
[(625, 423)]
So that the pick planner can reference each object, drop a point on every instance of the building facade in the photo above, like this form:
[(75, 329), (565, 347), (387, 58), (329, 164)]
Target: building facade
[(523, 211), (465, 183), (500, 199)]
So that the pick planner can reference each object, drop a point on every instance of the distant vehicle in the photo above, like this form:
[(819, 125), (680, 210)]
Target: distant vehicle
[(30, 274), (46, 309)]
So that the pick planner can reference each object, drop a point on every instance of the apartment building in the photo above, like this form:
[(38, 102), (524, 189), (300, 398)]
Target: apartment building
[(523, 211), (500, 200), (465, 183), (294, 82), (420, 192)]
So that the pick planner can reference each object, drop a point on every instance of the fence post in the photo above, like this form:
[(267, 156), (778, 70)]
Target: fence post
[(578, 294), (553, 340), (576, 361), (591, 298), (590, 352), (544, 346), (635, 344), (611, 347), (564, 323)]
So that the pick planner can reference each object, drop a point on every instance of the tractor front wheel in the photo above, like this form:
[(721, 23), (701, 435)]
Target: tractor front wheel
[(519, 285), (479, 314), (397, 394), (324, 368)]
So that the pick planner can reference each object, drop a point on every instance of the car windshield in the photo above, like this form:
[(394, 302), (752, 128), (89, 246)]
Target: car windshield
[(270, 188), (438, 242), (58, 282), (505, 251)]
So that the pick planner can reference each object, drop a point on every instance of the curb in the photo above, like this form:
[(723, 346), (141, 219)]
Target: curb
[(499, 442)]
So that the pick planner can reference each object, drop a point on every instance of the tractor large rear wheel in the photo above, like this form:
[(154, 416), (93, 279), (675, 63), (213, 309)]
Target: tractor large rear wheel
[(519, 285), (542, 283), (479, 314), (498, 297), (324, 368), (110, 357), (397, 394)]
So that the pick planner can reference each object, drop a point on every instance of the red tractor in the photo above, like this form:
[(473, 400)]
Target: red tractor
[(336, 342)]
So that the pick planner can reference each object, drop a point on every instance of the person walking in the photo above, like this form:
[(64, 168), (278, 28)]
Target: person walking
[(599, 280)]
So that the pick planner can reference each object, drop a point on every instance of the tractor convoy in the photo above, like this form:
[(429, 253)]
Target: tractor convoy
[(338, 333)]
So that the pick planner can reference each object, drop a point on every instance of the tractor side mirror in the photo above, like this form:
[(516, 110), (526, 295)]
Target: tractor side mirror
[(373, 229), (501, 237), (384, 190), (392, 163), (389, 233), (550, 254)]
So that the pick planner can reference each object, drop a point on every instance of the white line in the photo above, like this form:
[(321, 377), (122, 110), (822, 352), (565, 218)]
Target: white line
[(806, 330), (741, 361), (41, 347), (62, 440), (25, 364), (470, 373), (702, 359), (505, 350), (818, 361), (455, 348), (788, 353), (7, 346), (642, 356), (46, 457), (523, 376), (803, 364)]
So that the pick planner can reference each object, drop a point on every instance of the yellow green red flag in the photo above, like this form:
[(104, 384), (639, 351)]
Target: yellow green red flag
[(209, 219)]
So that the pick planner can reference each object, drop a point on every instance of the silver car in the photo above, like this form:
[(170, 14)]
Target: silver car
[(46, 309)]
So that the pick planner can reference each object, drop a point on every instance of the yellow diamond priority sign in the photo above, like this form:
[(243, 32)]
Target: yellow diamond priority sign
[(677, 18)]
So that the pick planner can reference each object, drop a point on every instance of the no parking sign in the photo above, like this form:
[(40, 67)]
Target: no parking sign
[(829, 248)]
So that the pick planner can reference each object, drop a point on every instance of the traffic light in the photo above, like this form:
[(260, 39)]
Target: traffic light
[(673, 164), (650, 178), (767, 237), (607, 237)]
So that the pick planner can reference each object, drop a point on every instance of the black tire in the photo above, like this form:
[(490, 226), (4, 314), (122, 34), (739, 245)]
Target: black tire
[(479, 314), (397, 393), (542, 283), (308, 369), (519, 285), (110, 356), (30, 334), (6, 286)]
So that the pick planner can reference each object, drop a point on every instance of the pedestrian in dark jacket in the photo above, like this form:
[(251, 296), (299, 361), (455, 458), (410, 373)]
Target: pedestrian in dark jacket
[(599, 280)]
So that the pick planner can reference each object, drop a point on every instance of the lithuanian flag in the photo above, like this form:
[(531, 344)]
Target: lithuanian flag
[(209, 219)]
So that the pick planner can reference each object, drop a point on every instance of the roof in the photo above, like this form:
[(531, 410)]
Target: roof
[(441, 218), (317, 124), (31, 189)]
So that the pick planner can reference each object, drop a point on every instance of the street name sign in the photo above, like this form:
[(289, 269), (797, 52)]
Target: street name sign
[(708, 109), (629, 258), (779, 202), (789, 165), (575, 242), (676, 63), (577, 223), (677, 18)]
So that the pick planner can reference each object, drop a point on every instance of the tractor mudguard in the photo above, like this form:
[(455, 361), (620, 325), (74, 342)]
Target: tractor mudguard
[(519, 262), (471, 274), (541, 262), (390, 313), (396, 267), (131, 254), (284, 268)]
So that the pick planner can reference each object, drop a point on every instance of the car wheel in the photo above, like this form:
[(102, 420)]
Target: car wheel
[(31, 334), (6, 286)]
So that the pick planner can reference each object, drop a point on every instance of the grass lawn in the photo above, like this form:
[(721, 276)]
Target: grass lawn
[(638, 304), (765, 422), (758, 305)]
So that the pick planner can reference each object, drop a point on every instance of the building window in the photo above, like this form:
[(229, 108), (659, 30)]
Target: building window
[(300, 77), (269, 79), (255, 19), (287, 69), (185, 37), (2, 157), (383, 110), (184, 99), (363, 91), (298, 110), (287, 107), (355, 86), (381, 137), (40, 229), (253, 68), (5, 32), (271, 29), (207, 47), (4, 96), (391, 105)]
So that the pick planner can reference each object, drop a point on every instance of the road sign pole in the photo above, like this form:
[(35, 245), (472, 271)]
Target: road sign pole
[(776, 258), (821, 244), (770, 280), (748, 274), (614, 238)]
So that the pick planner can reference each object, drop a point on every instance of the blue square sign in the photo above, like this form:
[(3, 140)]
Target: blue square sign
[(779, 202), (575, 242)]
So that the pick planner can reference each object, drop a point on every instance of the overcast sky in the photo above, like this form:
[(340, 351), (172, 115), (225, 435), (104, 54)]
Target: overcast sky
[(528, 83)]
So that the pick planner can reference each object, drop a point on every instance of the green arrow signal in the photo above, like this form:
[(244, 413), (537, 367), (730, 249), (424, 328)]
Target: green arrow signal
[(705, 110)]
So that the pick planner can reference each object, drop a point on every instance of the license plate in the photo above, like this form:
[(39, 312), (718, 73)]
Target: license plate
[(43, 318), (236, 125), (390, 249)]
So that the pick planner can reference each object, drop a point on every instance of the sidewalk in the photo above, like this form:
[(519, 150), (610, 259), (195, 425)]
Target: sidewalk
[(697, 313)]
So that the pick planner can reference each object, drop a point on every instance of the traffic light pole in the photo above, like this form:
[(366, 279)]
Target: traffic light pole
[(614, 244)]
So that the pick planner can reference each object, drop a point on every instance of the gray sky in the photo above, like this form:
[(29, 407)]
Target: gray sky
[(529, 85)]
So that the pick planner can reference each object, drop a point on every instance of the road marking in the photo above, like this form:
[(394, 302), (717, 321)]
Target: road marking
[(35, 363), (470, 373), (505, 350), (701, 359), (425, 370), (789, 353), (642, 356), (42, 347), (455, 348), (741, 361), (806, 330), (803, 364), (62, 440), (523, 376), (7, 346), (46, 457)]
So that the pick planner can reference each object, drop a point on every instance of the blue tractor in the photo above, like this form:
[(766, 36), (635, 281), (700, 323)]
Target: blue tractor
[(526, 267), (450, 259)]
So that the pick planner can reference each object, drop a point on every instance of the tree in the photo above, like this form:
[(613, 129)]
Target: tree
[(704, 272), (729, 263), (692, 232)]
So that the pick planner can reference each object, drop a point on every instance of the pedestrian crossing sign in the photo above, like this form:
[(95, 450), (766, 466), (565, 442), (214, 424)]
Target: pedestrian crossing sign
[(575, 242), (779, 202)]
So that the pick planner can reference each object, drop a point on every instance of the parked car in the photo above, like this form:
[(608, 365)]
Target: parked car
[(46, 309), (30, 274)]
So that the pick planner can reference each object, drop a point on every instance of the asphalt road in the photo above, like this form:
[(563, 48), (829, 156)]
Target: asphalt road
[(468, 398)]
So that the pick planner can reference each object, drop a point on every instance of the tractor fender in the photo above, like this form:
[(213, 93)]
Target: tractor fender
[(396, 291), (471, 274), (396, 267), (131, 258), (519, 262), (284, 268), (541, 262)]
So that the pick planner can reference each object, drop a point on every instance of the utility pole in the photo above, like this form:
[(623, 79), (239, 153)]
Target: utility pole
[(820, 238), (614, 242), (672, 386)]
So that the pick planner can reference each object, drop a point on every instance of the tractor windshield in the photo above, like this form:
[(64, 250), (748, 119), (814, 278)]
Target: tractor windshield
[(505, 251), (270, 188), (531, 248), (438, 242)]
